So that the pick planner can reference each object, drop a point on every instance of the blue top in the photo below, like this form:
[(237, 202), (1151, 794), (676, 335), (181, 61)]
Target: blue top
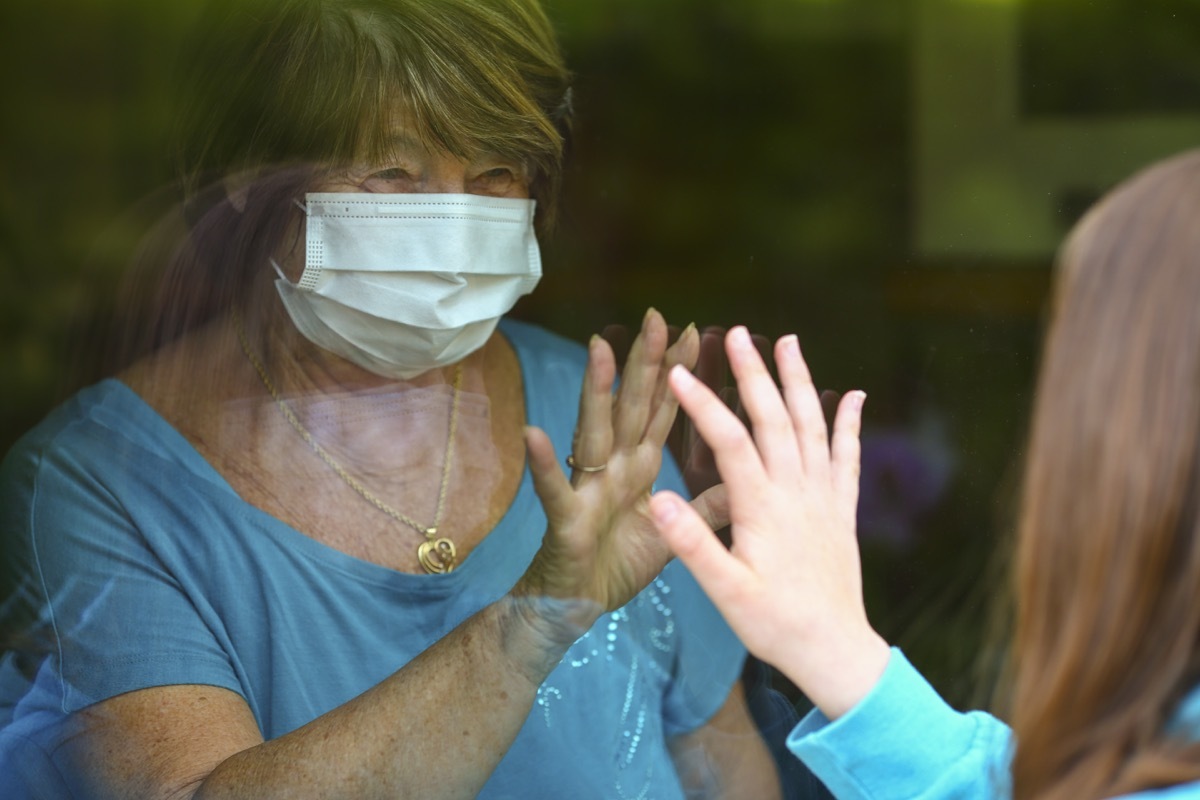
[(871, 752), (142, 567)]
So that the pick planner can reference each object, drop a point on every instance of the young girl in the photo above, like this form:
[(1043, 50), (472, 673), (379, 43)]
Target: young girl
[(1106, 652)]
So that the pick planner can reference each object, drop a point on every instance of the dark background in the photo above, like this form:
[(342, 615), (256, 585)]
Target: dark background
[(737, 161)]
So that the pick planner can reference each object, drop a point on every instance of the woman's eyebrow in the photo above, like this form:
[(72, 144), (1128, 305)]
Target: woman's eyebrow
[(403, 143), (404, 139)]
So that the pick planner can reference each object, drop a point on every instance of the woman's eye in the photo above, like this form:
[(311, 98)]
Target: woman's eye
[(386, 180), (495, 176), (390, 174), (497, 180)]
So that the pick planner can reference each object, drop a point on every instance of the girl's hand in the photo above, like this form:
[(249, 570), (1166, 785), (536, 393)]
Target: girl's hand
[(791, 584)]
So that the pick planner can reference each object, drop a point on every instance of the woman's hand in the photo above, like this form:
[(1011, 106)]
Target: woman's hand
[(601, 547), (791, 585)]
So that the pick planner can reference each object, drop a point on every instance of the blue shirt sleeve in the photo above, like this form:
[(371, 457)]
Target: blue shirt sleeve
[(903, 741), (112, 617)]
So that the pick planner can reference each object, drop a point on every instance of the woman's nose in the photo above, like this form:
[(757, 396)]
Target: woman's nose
[(446, 176)]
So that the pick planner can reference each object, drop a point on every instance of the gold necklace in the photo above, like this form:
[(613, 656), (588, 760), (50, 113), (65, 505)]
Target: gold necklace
[(436, 554)]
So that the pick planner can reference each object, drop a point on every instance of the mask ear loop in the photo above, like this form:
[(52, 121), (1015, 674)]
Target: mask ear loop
[(274, 263), (278, 271)]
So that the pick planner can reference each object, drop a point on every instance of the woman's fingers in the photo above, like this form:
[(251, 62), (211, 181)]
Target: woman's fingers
[(804, 406), (594, 434), (617, 337), (638, 380), (664, 406), (713, 506), (768, 415), (551, 485)]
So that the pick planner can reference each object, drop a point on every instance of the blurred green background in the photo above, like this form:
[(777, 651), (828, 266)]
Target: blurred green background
[(887, 178)]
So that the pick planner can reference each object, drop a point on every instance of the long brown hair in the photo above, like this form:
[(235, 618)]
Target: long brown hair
[(1108, 554)]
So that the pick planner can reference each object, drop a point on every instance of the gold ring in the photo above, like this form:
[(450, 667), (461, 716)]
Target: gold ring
[(571, 463)]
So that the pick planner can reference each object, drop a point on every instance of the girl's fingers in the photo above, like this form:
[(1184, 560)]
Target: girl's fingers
[(847, 451), (638, 381), (804, 406), (768, 415), (736, 456), (593, 441), (720, 574)]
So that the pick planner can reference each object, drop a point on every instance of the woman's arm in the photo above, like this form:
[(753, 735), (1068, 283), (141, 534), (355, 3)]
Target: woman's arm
[(439, 725), (726, 757), (436, 728)]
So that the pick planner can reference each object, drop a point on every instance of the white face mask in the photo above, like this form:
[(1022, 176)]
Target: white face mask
[(401, 284)]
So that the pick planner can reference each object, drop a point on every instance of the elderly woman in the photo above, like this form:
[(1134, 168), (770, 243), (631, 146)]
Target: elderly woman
[(317, 540)]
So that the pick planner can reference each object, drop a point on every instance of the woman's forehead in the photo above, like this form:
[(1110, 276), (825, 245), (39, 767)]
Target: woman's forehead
[(397, 130), (401, 138)]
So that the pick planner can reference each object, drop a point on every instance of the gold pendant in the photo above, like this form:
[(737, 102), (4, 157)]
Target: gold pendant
[(437, 556)]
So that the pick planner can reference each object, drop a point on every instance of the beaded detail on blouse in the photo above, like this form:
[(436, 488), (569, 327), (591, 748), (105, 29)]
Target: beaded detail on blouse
[(611, 640)]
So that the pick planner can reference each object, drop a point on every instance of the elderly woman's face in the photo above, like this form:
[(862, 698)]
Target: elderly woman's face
[(411, 167)]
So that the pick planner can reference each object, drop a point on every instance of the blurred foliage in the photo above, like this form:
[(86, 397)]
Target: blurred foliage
[(738, 161), (1093, 74)]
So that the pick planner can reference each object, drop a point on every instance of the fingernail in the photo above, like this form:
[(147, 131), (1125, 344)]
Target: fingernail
[(859, 398), (680, 375), (791, 345), (664, 509), (649, 313), (741, 337)]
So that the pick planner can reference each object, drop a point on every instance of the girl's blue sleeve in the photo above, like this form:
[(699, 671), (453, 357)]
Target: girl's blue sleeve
[(903, 741)]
